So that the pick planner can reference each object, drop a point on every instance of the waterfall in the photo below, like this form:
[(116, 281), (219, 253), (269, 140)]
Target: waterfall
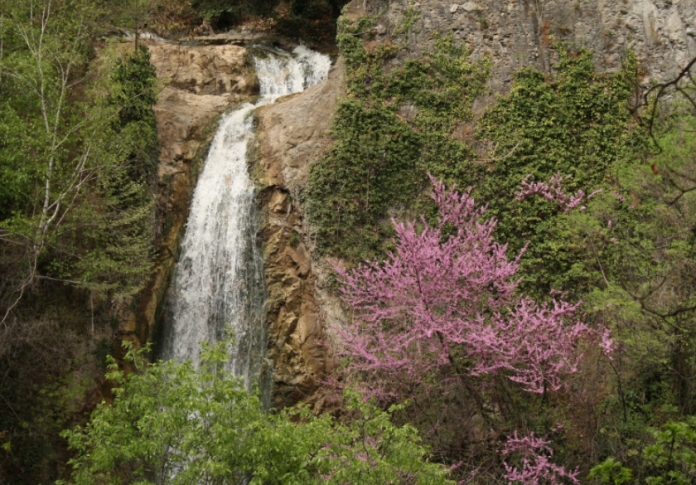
[(219, 279)]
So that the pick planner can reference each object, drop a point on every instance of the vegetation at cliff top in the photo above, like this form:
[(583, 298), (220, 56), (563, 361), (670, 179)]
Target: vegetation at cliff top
[(312, 21)]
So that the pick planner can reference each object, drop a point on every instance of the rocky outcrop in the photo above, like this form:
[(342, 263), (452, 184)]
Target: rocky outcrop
[(202, 81), (198, 84), (223, 71), (519, 33), (292, 134)]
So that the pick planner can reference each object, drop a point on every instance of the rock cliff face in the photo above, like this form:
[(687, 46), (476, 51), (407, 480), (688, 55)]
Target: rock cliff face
[(519, 33), (202, 81), (292, 134), (198, 84)]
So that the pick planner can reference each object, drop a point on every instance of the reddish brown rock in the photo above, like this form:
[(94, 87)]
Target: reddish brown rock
[(293, 134), (198, 83)]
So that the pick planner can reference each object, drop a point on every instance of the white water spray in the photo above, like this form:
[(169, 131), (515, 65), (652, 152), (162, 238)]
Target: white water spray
[(219, 280)]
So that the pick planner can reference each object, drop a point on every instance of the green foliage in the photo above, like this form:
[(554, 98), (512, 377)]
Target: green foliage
[(32, 93), (134, 91), (81, 210), (313, 21), (132, 94), (670, 460), (294, 240), (114, 253), (672, 456), (76, 217), (396, 126), (172, 424), (410, 16), (107, 239), (610, 471), (576, 122), (646, 265), (223, 13), (639, 233), (15, 177), (35, 410)]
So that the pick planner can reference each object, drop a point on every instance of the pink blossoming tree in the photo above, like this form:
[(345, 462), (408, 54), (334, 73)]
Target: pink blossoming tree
[(553, 190), (533, 463), (444, 307)]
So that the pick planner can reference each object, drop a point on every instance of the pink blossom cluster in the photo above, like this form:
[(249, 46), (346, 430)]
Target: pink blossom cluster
[(447, 298), (534, 465), (618, 196), (607, 344), (552, 190)]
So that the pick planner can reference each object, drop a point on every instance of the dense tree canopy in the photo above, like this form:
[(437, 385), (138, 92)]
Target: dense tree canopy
[(77, 155)]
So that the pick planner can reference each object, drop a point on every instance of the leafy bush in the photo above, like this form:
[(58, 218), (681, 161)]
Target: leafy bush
[(671, 460), (172, 424)]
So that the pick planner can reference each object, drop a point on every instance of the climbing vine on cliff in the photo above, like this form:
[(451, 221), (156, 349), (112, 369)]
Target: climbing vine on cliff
[(396, 125), (404, 118), (577, 122)]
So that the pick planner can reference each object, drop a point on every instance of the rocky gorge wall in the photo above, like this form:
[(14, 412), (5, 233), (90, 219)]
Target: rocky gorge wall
[(198, 83), (292, 134), (519, 33)]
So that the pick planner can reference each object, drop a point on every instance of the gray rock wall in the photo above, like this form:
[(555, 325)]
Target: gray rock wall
[(519, 33)]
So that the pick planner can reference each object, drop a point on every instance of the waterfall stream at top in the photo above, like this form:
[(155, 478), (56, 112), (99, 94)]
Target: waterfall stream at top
[(219, 280)]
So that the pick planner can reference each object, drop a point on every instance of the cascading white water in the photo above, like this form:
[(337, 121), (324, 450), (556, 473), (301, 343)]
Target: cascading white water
[(219, 278)]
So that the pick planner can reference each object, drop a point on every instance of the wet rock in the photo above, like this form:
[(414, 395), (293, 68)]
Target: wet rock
[(198, 84), (292, 134)]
